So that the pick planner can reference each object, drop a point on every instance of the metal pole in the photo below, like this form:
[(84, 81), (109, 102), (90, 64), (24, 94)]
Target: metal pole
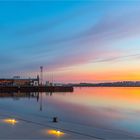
[(41, 75)]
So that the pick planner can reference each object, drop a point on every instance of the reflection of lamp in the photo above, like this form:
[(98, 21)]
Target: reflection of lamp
[(40, 102), (56, 133), (10, 121), (37, 97)]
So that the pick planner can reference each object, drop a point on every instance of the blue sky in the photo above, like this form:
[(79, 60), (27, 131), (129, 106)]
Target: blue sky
[(81, 39)]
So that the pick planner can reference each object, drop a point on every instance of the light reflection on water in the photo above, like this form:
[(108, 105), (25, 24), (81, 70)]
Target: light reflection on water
[(108, 108), (53, 132), (10, 121)]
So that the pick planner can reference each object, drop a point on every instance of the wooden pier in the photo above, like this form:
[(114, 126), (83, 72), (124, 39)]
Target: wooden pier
[(36, 89)]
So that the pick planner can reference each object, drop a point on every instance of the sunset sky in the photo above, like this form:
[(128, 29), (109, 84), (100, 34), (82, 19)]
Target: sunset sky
[(75, 41)]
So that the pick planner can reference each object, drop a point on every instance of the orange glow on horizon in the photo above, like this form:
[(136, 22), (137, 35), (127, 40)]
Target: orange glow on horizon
[(99, 77)]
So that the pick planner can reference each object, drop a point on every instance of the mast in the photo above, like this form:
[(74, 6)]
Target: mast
[(41, 75)]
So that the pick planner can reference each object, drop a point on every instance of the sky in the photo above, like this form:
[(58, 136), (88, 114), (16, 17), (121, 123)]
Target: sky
[(74, 41)]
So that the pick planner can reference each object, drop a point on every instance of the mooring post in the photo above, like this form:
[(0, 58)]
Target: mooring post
[(55, 119)]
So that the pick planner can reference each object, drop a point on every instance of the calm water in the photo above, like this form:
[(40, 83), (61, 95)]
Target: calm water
[(106, 108)]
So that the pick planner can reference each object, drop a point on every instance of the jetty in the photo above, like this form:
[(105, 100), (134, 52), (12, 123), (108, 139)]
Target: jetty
[(36, 89)]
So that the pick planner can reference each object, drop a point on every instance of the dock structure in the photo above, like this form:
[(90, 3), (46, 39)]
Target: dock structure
[(36, 89), (28, 85)]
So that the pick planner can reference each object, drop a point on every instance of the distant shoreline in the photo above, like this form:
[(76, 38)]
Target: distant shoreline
[(109, 84), (106, 86)]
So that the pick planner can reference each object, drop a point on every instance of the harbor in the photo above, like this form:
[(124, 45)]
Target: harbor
[(69, 70), (36, 84)]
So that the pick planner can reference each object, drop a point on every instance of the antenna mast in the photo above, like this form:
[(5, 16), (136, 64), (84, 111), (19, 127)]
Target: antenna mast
[(41, 75)]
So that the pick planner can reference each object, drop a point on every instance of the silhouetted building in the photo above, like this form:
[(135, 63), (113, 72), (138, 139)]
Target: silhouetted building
[(17, 81)]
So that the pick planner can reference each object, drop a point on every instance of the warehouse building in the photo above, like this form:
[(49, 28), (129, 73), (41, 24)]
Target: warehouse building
[(17, 81)]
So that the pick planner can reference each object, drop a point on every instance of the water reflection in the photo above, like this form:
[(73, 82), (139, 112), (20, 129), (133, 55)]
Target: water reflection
[(31, 95), (10, 121), (18, 95), (116, 109), (53, 132)]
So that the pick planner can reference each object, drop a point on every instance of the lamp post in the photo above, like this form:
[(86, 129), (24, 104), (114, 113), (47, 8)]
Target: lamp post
[(41, 75)]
